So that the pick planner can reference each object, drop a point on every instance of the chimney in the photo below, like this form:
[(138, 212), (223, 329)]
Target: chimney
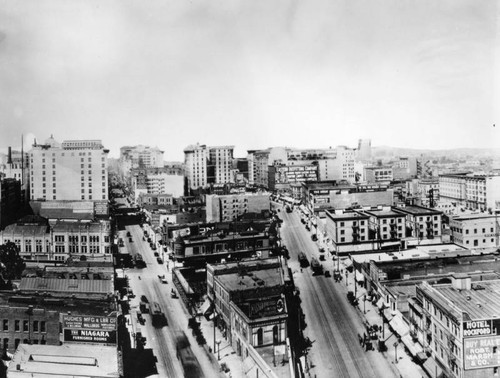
[(9, 156), (461, 281)]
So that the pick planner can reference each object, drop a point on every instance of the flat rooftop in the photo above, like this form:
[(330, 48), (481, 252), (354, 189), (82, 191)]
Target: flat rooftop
[(383, 213), (418, 210), (481, 302), (346, 216), (251, 280), (65, 360)]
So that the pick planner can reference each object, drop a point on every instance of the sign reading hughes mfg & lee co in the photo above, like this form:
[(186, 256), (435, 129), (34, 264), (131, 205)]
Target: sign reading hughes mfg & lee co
[(89, 329)]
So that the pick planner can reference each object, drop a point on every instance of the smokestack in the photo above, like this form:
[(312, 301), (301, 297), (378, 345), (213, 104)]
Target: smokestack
[(9, 156)]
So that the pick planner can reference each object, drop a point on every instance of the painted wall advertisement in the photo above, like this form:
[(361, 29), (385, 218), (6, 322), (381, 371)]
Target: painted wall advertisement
[(481, 352), (89, 329)]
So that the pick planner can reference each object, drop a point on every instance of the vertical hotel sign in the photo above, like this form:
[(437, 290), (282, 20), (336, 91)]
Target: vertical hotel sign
[(89, 329)]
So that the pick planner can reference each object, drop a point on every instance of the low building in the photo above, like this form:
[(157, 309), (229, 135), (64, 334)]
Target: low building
[(422, 222), (217, 245), (40, 242), (36, 317), (477, 231), (65, 361), (386, 224), (378, 174), (349, 232), (250, 307), (321, 196)]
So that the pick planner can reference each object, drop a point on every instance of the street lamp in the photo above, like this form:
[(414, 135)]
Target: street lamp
[(364, 304), (218, 349)]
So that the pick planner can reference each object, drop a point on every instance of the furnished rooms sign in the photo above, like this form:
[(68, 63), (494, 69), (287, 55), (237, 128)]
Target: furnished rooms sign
[(89, 329), (481, 352)]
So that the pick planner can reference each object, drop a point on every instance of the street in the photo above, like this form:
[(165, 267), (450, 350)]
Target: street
[(146, 282), (333, 324)]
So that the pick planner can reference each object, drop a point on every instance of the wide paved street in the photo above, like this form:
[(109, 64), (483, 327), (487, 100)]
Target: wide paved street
[(161, 339), (332, 323)]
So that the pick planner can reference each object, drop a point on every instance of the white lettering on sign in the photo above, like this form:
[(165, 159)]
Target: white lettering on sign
[(481, 352)]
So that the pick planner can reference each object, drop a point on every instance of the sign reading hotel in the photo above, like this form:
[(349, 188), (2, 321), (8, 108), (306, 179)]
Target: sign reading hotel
[(89, 329), (481, 352), (478, 328)]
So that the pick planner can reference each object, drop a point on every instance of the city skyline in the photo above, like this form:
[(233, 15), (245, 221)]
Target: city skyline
[(309, 75)]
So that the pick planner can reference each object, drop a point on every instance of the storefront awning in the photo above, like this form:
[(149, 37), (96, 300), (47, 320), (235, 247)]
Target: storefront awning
[(205, 307), (414, 348), (433, 368), (399, 326), (381, 303)]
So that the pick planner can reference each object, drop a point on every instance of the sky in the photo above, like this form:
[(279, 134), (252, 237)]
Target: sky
[(253, 74)]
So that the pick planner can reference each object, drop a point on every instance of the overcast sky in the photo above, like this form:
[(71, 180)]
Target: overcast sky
[(254, 74)]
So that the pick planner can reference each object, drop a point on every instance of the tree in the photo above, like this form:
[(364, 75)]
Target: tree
[(11, 264)]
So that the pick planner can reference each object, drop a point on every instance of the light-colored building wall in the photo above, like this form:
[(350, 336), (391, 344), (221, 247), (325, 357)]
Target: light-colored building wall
[(195, 165), (225, 208), (73, 170), (479, 231)]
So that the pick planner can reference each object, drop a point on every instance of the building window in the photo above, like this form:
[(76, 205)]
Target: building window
[(35, 326), (25, 326), (43, 326), (17, 325), (5, 324)]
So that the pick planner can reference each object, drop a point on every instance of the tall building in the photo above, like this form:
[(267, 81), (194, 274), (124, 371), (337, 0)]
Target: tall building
[(339, 166), (207, 165), (364, 149), (142, 156), (195, 166), (220, 164), (73, 170)]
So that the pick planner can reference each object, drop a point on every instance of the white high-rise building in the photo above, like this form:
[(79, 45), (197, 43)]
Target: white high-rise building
[(142, 156), (73, 170), (208, 165), (195, 166), (339, 166), (220, 164)]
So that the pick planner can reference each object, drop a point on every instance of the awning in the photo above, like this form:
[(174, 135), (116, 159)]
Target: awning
[(360, 277), (399, 326), (433, 368), (347, 263), (414, 348), (204, 307), (381, 303), (388, 314)]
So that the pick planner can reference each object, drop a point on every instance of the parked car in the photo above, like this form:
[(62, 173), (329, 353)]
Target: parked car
[(160, 261), (156, 254), (314, 237)]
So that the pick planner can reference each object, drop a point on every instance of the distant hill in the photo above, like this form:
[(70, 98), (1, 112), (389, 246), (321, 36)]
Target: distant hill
[(386, 151)]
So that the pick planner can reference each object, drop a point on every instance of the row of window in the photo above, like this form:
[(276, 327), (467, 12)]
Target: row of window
[(23, 326), (460, 230)]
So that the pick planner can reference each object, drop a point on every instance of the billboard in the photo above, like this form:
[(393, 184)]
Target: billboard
[(89, 329), (480, 353)]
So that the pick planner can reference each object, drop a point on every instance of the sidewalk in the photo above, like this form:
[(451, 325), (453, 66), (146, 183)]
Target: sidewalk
[(403, 363), (223, 351)]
